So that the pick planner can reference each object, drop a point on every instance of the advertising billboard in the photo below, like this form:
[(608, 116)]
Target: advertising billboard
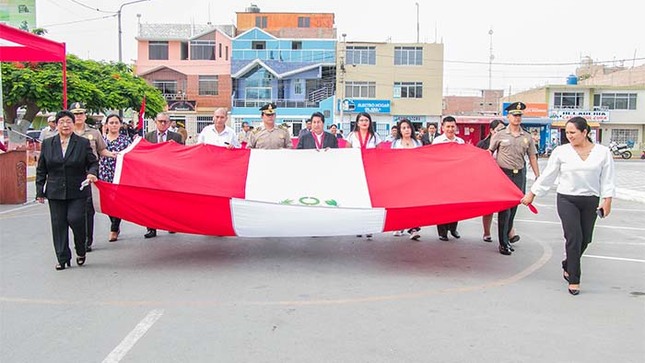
[(18, 13)]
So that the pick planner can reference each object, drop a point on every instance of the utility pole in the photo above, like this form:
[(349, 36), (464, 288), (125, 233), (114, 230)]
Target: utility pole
[(490, 59), (342, 79), (118, 13), (417, 4)]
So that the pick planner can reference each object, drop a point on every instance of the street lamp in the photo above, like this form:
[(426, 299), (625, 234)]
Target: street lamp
[(118, 13)]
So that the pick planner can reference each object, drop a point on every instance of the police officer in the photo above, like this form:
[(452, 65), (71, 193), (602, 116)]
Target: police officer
[(82, 128), (269, 136), (512, 144)]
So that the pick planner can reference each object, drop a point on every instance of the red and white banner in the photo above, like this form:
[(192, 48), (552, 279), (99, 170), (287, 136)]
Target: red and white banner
[(204, 189)]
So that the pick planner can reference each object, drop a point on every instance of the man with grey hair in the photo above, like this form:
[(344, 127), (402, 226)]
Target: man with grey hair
[(161, 134), (50, 130), (218, 133)]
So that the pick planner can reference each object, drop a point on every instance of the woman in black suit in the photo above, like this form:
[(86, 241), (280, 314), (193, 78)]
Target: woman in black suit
[(66, 163)]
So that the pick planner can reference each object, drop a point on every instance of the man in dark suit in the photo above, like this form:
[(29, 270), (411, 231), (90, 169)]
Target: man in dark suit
[(66, 162), (161, 134), (429, 136), (318, 138)]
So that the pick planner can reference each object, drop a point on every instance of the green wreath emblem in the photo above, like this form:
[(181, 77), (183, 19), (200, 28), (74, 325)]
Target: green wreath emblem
[(309, 201)]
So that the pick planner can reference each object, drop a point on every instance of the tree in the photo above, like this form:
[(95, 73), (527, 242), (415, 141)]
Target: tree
[(100, 85)]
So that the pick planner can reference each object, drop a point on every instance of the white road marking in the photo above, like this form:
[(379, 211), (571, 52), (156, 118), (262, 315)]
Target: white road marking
[(615, 258), (596, 226), (129, 341), (24, 206)]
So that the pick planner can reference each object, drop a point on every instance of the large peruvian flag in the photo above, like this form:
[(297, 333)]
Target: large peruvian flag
[(204, 189)]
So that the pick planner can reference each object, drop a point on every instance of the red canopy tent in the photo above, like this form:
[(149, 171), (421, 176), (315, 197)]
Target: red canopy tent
[(21, 46)]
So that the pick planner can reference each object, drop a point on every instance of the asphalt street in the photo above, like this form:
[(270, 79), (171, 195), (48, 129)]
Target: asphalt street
[(188, 298)]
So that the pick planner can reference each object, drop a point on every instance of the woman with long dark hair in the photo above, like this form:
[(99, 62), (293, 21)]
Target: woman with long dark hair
[(115, 141), (585, 190), (405, 140), (363, 135)]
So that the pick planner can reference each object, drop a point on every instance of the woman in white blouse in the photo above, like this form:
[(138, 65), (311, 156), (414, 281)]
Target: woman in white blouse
[(405, 140), (363, 135), (585, 190)]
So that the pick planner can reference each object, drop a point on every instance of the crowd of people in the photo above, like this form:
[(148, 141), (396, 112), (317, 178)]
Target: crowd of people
[(74, 154)]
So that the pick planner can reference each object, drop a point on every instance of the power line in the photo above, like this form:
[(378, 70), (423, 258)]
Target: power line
[(79, 21), (91, 8)]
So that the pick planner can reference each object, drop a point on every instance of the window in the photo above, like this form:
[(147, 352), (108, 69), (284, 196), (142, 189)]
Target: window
[(304, 22), (184, 51), (257, 44), (360, 89), (568, 99), (261, 22), (157, 50), (168, 88), (408, 56), (258, 85), (615, 101), (296, 45), (408, 89), (220, 50), (208, 85), (361, 55), (297, 87), (623, 136), (203, 121), (202, 50)]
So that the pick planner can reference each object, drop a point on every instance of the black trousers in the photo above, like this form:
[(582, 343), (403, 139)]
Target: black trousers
[(578, 216), (89, 221), (506, 217), (443, 229), (67, 214), (115, 224)]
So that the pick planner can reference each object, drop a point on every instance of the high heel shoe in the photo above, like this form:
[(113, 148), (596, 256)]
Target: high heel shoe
[(113, 236), (574, 291), (565, 276), (80, 260), (62, 266)]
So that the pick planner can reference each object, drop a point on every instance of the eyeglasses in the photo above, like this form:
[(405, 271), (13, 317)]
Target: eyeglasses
[(163, 121)]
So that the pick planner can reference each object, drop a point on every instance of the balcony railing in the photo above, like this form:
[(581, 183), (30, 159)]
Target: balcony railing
[(280, 103), (285, 55)]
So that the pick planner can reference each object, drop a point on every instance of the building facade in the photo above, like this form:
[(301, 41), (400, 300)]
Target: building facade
[(615, 113), (285, 58), (191, 67), (390, 81)]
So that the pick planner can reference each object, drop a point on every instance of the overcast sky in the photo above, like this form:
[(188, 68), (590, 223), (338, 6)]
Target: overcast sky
[(534, 42)]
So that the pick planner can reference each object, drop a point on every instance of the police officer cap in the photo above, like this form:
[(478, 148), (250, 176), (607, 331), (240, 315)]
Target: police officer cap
[(77, 107), (268, 109), (516, 108)]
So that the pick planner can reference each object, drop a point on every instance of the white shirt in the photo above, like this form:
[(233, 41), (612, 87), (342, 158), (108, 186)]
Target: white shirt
[(356, 143), (210, 136), (443, 139), (594, 176)]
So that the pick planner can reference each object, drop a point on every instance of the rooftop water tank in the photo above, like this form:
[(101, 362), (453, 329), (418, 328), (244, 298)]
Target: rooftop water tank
[(572, 79)]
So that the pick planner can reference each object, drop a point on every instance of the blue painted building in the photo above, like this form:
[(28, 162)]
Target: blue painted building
[(297, 74)]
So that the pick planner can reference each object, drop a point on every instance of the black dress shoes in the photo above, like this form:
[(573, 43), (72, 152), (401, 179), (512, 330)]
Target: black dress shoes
[(151, 233), (514, 238), (443, 238), (505, 250), (510, 248), (455, 234)]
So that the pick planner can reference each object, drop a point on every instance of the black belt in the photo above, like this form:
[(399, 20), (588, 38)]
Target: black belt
[(512, 171)]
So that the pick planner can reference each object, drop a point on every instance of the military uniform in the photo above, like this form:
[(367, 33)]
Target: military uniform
[(95, 138), (511, 150), (276, 138)]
